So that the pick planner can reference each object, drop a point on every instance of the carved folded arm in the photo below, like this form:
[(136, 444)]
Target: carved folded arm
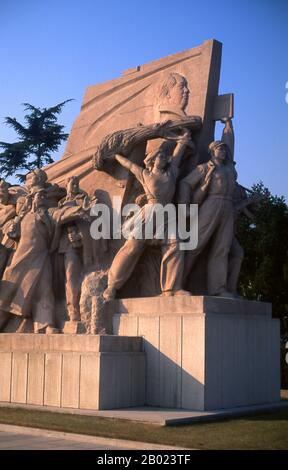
[(64, 215), (187, 185)]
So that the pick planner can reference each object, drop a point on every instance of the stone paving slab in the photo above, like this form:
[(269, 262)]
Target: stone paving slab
[(20, 437), (10, 441), (163, 416)]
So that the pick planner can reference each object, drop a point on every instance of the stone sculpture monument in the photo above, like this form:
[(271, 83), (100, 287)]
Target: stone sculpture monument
[(164, 325)]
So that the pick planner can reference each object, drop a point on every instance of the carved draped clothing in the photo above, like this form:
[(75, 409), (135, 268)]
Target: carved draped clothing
[(31, 266)]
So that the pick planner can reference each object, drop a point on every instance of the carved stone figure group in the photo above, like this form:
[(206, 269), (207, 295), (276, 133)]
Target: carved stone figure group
[(45, 229), (213, 186), (38, 224)]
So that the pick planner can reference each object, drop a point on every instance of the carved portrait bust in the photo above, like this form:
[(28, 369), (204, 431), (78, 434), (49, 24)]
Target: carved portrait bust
[(173, 96)]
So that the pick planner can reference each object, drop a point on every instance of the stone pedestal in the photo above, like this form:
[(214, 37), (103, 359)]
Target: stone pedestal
[(72, 371), (194, 353), (204, 353)]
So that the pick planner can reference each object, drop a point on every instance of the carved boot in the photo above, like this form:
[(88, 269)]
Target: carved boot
[(171, 293), (44, 329), (167, 293), (182, 292), (73, 313), (51, 330)]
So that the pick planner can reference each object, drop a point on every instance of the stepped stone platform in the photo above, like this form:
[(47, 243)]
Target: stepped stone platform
[(72, 371), (179, 353), (204, 353)]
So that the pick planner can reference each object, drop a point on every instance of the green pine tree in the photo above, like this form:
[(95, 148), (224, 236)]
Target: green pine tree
[(264, 273), (265, 243), (38, 138)]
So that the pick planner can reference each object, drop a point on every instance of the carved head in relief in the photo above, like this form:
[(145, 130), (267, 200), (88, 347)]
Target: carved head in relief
[(174, 94), (39, 200), (159, 158), (37, 178), (73, 186), (218, 150)]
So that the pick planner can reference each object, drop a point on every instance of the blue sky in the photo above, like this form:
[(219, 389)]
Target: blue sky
[(52, 50)]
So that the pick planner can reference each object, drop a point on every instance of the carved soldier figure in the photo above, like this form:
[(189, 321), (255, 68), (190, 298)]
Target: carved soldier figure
[(26, 287), (7, 213), (159, 182), (71, 247), (213, 185), (35, 181)]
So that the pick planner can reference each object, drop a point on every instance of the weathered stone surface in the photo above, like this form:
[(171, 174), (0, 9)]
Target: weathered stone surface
[(89, 382), (122, 378), (19, 377), (144, 135), (149, 328), (92, 307), (205, 352), (193, 362), (35, 386), (27, 289), (5, 375), (189, 305), (224, 107), (72, 371), (124, 102), (70, 381), (65, 343), (74, 327), (53, 375)]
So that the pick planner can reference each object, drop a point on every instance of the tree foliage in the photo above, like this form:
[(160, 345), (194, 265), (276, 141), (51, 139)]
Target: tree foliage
[(264, 274), (38, 138)]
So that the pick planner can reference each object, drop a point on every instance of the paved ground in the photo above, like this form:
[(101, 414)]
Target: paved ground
[(24, 438), (162, 416), (12, 441)]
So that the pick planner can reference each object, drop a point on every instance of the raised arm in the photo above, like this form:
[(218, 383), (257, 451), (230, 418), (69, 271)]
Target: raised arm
[(183, 141), (135, 169), (228, 136)]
